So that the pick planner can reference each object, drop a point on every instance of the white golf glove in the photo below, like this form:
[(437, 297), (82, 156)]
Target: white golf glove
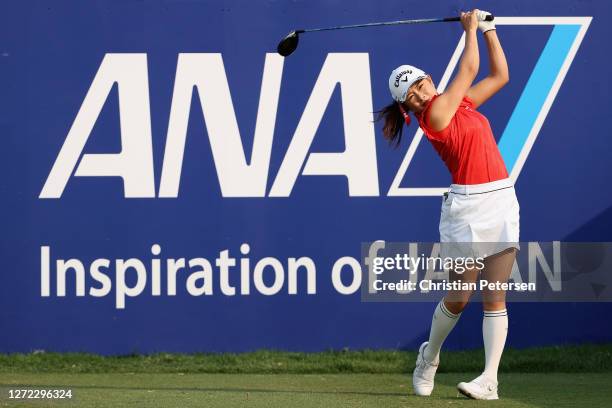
[(484, 26)]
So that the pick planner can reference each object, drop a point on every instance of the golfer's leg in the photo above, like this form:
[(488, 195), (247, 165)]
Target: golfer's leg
[(495, 320), (447, 314)]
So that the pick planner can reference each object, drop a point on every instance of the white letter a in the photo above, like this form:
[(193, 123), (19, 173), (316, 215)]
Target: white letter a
[(358, 161), (135, 162)]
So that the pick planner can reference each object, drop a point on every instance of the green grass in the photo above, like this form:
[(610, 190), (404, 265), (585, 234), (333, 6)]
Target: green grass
[(570, 359), (556, 390), (568, 376)]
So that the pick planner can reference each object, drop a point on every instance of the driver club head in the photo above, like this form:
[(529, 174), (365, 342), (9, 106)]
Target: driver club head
[(288, 44)]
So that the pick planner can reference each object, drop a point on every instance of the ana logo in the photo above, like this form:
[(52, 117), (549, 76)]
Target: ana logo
[(239, 177)]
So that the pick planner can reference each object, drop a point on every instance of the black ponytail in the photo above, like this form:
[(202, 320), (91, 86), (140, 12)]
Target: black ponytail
[(393, 122)]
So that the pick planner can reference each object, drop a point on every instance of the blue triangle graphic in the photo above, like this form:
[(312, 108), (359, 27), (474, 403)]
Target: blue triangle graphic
[(536, 91)]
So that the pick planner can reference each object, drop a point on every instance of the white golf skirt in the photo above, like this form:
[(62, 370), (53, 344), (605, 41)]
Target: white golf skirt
[(479, 220)]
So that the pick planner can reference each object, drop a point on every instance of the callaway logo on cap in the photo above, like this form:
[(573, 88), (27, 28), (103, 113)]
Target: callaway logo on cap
[(401, 80)]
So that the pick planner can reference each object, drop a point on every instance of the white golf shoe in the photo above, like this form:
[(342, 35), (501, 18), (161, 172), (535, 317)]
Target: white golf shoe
[(424, 373), (480, 388)]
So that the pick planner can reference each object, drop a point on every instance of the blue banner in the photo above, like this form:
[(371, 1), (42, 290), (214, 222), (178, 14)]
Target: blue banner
[(170, 183)]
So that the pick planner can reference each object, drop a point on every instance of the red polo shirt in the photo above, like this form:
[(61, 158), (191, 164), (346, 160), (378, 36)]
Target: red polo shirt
[(466, 145)]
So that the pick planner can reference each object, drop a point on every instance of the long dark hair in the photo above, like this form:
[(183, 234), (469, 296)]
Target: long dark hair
[(393, 122)]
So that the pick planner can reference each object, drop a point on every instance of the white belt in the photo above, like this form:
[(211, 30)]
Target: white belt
[(469, 189)]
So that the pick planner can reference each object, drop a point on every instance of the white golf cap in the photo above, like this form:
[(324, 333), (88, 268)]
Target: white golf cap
[(401, 80)]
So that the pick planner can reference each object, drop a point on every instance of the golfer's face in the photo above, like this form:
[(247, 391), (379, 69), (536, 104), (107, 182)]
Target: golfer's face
[(419, 94)]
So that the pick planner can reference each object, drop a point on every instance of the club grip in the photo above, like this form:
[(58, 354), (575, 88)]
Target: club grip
[(488, 17)]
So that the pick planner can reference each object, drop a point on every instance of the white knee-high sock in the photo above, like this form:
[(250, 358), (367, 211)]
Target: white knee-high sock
[(442, 323), (494, 332)]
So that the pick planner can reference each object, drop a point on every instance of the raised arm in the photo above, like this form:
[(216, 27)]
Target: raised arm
[(498, 76), (445, 106)]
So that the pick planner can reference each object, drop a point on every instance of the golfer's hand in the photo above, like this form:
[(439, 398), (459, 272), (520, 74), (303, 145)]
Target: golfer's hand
[(484, 26), (469, 20)]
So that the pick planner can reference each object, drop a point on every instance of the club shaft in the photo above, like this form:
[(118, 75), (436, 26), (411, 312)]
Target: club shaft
[(385, 23)]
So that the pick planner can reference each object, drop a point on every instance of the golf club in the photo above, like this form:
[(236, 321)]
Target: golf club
[(288, 44)]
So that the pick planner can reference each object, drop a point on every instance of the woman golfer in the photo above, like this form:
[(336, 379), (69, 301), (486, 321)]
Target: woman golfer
[(480, 213)]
